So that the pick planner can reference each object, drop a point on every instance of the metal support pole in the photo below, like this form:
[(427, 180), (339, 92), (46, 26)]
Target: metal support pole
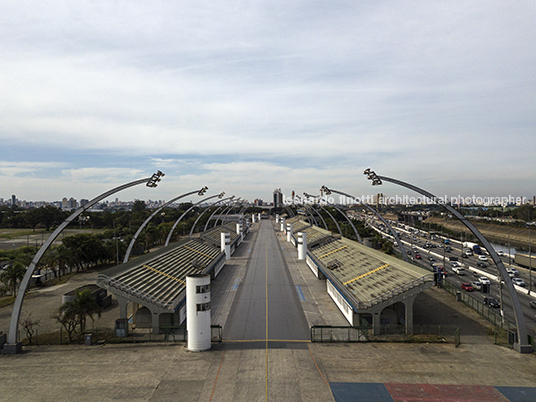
[(142, 226), (522, 344), (15, 315)]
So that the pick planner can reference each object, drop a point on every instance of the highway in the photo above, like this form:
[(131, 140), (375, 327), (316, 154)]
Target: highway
[(418, 240)]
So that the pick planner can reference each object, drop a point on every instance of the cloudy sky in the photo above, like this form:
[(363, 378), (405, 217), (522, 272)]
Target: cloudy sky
[(246, 96)]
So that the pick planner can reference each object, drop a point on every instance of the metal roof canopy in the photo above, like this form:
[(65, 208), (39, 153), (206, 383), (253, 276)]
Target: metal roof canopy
[(159, 277), (367, 277)]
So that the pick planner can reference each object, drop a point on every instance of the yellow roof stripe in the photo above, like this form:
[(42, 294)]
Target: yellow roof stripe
[(165, 274), (334, 251), (198, 252), (368, 273)]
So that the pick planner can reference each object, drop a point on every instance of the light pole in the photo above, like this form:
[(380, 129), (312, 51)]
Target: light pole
[(325, 210), (156, 212), (328, 191), (522, 344), (359, 239), (202, 213), (15, 315), (214, 213), (188, 210)]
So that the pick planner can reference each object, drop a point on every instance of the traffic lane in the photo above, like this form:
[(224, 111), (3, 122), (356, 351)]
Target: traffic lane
[(267, 278), (286, 319)]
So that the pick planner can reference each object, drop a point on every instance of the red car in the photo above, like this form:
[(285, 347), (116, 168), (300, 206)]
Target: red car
[(417, 256), (467, 287)]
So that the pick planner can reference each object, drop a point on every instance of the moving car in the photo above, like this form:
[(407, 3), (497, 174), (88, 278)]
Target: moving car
[(482, 258), (500, 253), (532, 303), (467, 287), (476, 285), (492, 302), (518, 282), (484, 281), (481, 264)]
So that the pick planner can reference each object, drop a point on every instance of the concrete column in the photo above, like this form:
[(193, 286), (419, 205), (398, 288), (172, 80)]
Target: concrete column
[(302, 245), (259, 217), (155, 318), (376, 323), (226, 244), (282, 221), (123, 303), (289, 231), (408, 304), (276, 218)]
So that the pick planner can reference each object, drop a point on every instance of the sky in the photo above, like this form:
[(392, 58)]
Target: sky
[(248, 96)]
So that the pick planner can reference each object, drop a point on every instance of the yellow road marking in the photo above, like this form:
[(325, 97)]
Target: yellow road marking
[(165, 274), (368, 273), (334, 251)]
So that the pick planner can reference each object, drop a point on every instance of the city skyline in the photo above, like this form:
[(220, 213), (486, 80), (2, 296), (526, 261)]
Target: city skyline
[(247, 97)]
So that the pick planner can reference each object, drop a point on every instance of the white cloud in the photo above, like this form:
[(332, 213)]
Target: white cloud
[(427, 91)]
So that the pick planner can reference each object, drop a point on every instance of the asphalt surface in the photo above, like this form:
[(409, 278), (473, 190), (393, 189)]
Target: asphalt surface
[(248, 366)]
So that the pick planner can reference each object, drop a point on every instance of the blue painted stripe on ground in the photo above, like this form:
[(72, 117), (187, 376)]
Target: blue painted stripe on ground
[(520, 394), (360, 392), (237, 282), (300, 293)]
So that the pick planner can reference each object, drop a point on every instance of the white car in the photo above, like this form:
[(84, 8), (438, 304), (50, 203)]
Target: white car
[(484, 281), (477, 285), (455, 264), (511, 273), (482, 258), (518, 282), (500, 252), (515, 271)]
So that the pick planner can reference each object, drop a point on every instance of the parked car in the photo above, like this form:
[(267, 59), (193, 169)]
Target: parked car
[(467, 287), (492, 302), (476, 285), (518, 282)]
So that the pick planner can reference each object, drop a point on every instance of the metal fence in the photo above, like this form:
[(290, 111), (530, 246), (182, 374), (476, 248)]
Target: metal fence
[(391, 333), (504, 331)]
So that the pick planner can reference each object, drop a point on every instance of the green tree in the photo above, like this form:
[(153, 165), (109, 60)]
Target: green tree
[(138, 206), (73, 314), (12, 275)]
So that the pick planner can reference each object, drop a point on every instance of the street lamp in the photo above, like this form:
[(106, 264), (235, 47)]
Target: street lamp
[(142, 226), (188, 210), (201, 214), (15, 315), (342, 213), (328, 191), (522, 344)]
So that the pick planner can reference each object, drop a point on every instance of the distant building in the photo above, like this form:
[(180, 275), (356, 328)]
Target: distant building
[(83, 202), (13, 200), (278, 198)]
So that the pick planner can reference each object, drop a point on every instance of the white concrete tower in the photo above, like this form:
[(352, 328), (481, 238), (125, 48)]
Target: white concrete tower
[(282, 220), (302, 245), (226, 244), (289, 231), (198, 312)]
